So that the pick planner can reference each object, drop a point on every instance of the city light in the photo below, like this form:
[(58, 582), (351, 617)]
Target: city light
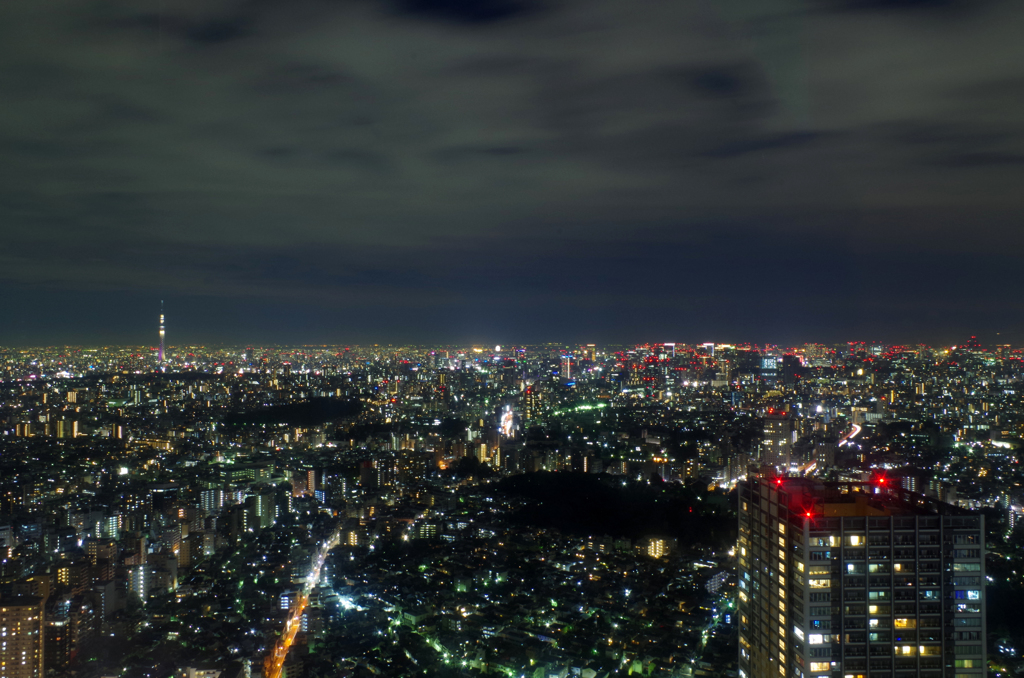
[(380, 505)]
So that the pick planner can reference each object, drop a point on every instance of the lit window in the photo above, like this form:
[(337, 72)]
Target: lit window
[(821, 666), (855, 540), (816, 639)]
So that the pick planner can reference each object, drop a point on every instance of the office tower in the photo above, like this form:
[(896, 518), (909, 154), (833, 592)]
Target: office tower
[(21, 637), (858, 580)]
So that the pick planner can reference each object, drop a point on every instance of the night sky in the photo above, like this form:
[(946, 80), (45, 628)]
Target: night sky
[(511, 170)]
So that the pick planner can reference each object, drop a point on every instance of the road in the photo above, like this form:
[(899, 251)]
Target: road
[(849, 436), (274, 661)]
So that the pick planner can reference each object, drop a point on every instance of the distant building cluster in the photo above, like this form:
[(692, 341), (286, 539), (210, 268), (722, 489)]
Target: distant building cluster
[(177, 510)]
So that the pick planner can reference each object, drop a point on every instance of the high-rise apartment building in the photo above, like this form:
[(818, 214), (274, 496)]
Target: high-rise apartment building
[(777, 444), (21, 637), (858, 580)]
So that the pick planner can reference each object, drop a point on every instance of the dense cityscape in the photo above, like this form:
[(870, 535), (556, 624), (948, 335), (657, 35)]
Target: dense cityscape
[(531, 510)]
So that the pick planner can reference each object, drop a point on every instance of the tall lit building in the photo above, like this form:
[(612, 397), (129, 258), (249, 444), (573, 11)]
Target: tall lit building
[(21, 637), (858, 580), (140, 581), (777, 444)]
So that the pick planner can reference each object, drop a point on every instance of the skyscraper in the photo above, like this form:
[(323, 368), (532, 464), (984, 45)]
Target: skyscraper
[(858, 580)]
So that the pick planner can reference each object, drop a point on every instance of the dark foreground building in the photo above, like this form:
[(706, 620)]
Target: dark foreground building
[(858, 580)]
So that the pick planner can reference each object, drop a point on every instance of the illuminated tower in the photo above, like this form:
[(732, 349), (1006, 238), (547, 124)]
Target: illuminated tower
[(858, 580), (160, 357)]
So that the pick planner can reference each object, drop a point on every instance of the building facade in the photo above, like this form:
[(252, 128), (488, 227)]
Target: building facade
[(858, 580), (21, 637)]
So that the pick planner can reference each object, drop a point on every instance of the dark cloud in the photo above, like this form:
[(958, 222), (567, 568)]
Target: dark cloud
[(446, 169), (470, 11), (910, 4)]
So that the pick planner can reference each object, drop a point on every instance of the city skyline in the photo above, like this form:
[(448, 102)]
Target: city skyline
[(165, 355), (542, 510), (193, 337)]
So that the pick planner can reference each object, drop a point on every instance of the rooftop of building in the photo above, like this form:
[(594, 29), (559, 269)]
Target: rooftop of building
[(880, 496)]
